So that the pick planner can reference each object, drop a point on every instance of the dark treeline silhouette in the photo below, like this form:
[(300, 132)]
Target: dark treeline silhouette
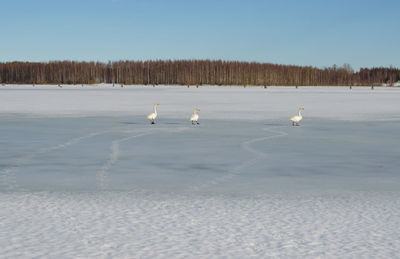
[(190, 72)]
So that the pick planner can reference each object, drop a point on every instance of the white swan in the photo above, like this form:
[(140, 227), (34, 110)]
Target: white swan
[(195, 117), (153, 116), (296, 119)]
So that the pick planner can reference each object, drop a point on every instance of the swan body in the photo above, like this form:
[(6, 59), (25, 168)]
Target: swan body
[(296, 119), (152, 116), (195, 117)]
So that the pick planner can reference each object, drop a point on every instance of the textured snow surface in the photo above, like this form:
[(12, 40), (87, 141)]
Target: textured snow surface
[(129, 224), (83, 173)]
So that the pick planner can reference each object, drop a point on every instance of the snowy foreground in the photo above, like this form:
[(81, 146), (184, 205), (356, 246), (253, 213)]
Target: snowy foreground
[(83, 173)]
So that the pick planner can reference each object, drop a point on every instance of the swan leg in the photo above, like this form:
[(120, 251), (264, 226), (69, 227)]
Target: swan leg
[(153, 122), (292, 123), (197, 123)]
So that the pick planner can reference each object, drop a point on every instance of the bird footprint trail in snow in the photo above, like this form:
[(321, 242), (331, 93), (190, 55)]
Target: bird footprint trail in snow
[(246, 145), (103, 174), (8, 178)]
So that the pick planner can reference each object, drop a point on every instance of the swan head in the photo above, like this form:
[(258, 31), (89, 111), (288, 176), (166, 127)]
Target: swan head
[(197, 109), (156, 104), (301, 108)]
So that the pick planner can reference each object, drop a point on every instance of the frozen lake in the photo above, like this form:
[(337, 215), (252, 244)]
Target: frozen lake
[(83, 173)]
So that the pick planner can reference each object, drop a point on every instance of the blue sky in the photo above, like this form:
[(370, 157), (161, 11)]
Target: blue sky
[(310, 32)]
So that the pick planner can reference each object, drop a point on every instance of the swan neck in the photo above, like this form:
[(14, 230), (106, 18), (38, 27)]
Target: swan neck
[(300, 113), (155, 109)]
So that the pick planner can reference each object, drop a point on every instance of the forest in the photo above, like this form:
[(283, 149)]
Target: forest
[(192, 72)]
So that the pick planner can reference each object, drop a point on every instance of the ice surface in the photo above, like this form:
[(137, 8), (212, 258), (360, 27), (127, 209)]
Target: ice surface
[(84, 174)]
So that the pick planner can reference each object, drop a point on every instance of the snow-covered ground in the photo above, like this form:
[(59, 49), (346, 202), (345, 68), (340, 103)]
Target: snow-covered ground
[(83, 173), (236, 103), (135, 225)]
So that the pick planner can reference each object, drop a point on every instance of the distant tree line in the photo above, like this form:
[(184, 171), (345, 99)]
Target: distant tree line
[(190, 72)]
